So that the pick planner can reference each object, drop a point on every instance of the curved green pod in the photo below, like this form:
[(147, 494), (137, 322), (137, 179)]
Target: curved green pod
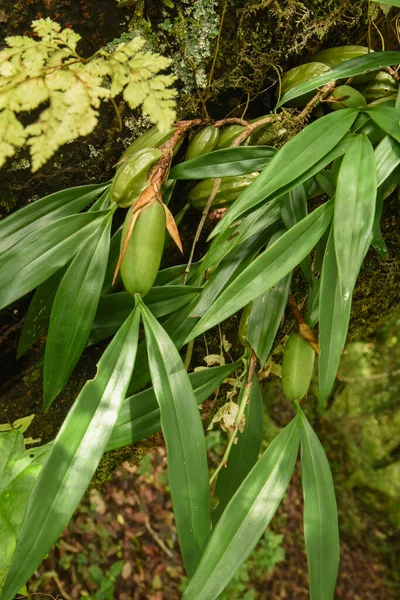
[(132, 178), (230, 189), (346, 96), (143, 255), (228, 134), (382, 85), (297, 367), (202, 142), (299, 75), (153, 138)]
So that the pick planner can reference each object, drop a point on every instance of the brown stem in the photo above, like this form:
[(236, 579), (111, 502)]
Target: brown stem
[(319, 96)]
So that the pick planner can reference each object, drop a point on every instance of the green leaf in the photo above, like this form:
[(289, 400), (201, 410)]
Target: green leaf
[(387, 157), (350, 68), (247, 515), (19, 469), (320, 515), (103, 202), (73, 311), (270, 267), (37, 257), (244, 453), (37, 318), (140, 414), (113, 256), (44, 211), (334, 316), (266, 314), (224, 163), (354, 212), (114, 308), (293, 210), (74, 456), (389, 2), (387, 118), (294, 159), (183, 432), (378, 242)]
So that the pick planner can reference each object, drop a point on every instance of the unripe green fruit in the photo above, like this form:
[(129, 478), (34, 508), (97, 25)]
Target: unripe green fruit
[(153, 138), (132, 178), (202, 142), (230, 189), (297, 367), (335, 56), (143, 255), (381, 86), (228, 135), (346, 96), (299, 75), (244, 326)]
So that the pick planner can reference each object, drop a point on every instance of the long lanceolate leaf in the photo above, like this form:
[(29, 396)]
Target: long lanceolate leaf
[(350, 68), (295, 158), (140, 414), (224, 163), (247, 515), (73, 311), (184, 437), (334, 316), (244, 453), (46, 210), (34, 259), (387, 118), (387, 157), (268, 268), (354, 211), (75, 454), (320, 515)]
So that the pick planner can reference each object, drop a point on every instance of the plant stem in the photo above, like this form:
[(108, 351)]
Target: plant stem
[(242, 407)]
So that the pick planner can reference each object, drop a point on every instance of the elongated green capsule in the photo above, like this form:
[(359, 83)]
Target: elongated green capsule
[(143, 255), (132, 178), (381, 86), (153, 138), (202, 142), (299, 75), (297, 367), (228, 135), (230, 189), (346, 96), (244, 326)]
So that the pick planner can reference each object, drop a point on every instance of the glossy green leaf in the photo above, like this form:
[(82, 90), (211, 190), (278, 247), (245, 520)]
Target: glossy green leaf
[(294, 159), (354, 211), (73, 311), (113, 256), (37, 318), (103, 202), (247, 515), (272, 265), (140, 414), (378, 242), (184, 437), (74, 456), (224, 163), (387, 118), (321, 530), (389, 2), (334, 316), (47, 210), (293, 210), (19, 469), (266, 314), (387, 157), (244, 453), (37, 257), (350, 68), (114, 308)]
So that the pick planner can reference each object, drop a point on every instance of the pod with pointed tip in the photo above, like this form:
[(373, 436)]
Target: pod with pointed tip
[(152, 138), (229, 189), (143, 255), (297, 367), (202, 142), (132, 178)]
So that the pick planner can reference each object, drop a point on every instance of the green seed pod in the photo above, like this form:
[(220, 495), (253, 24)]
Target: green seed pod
[(335, 56), (354, 98), (300, 75), (297, 367), (382, 85), (132, 178), (202, 142), (244, 326), (230, 188), (145, 248), (153, 138), (228, 135)]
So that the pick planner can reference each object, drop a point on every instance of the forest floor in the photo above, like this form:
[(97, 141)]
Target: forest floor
[(122, 545)]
